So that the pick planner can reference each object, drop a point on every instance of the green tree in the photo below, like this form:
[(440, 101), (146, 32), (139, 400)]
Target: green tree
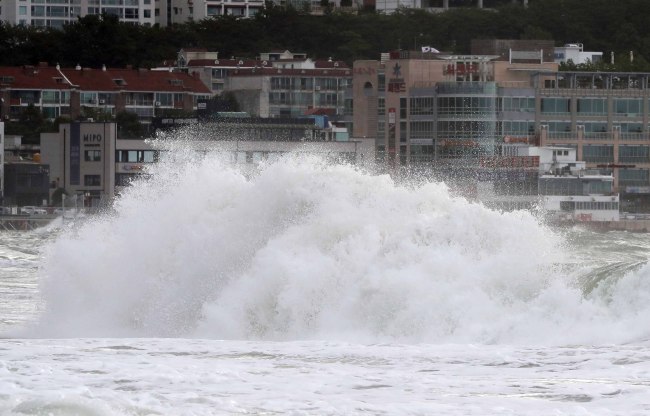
[(57, 196), (128, 125)]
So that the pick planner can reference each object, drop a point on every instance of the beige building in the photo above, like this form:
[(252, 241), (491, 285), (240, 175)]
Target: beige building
[(426, 106), (81, 158), (448, 113)]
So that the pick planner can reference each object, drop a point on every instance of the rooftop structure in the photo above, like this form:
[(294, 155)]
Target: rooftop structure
[(575, 53)]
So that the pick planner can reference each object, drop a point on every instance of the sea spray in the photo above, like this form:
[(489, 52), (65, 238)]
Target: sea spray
[(301, 248)]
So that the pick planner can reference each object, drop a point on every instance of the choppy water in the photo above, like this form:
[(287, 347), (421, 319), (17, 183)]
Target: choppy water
[(309, 288)]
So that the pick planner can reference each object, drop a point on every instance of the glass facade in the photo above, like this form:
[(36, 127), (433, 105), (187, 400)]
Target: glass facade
[(466, 118)]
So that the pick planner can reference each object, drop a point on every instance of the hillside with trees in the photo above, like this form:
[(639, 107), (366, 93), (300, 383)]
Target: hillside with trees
[(93, 41)]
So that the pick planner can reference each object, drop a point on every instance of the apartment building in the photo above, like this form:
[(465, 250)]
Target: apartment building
[(56, 13), (181, 11), (90, 93), (275, 84), (390, 6)]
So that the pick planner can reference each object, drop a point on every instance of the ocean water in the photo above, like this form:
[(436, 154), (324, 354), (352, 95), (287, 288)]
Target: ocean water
[(311, 288)]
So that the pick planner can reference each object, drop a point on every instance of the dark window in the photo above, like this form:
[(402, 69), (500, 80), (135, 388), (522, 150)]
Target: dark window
[(92, 180)]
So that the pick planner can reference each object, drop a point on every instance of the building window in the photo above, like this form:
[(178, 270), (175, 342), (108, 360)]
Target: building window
[(88, 98), (523, 104), (147, 13), (92, 155), (633, 154), (22, 10), (555, 105), (131, 13), (598, 153), (136, 156), (633, 177), (523, 128), (381, 106), (422, 129), (92, 180), (630, 107), (592, 106), (422, 106)]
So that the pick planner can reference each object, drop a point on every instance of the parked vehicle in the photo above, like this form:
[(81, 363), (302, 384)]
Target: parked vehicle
[(32, 210)]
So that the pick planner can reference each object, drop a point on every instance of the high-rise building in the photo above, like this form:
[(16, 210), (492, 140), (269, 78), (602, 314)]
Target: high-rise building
[(40, 13)]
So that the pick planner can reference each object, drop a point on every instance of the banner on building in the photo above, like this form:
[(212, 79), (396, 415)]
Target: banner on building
[(75, 153)]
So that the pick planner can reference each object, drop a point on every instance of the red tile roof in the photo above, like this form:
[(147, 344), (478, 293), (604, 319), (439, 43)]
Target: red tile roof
[(86, 79), (320, 112), (336, 72), (330, 64), (32, 77), (229, 63)]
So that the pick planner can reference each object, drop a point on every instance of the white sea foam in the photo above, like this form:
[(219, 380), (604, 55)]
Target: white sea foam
[(304, 249)]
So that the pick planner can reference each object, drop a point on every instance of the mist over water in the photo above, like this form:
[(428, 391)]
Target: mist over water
[(304, 249)]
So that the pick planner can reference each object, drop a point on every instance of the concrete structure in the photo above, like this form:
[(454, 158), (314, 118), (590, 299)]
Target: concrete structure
[(575, 53), (56, 14), (81, 157), (515, 50)]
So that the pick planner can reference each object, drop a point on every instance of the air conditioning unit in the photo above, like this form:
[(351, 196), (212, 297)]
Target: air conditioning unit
[(317, 88), (102, 101), (157, 103)]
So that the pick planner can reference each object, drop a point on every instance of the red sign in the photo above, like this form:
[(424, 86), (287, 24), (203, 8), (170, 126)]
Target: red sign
[(396, 87)]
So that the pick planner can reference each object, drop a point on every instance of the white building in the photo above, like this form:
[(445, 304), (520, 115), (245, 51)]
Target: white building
[(389, 6), (550, 178), (569, 192), (57, 13), (575, 53), (182, 11)]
